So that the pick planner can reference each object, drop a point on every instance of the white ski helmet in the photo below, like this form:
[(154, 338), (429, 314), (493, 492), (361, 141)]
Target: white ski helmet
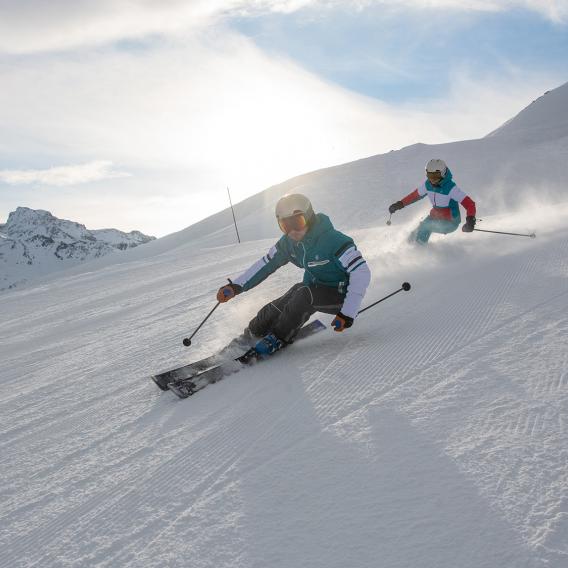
[(436, 165), (294, 204)]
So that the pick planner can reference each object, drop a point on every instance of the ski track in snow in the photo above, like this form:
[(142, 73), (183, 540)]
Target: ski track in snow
[(440, 418)]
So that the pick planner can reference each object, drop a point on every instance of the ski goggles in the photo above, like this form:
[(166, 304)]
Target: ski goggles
[(294, 223), (434, 177)]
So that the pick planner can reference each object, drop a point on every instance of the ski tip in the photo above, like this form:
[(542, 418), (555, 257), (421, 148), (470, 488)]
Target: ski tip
[(160, 384)]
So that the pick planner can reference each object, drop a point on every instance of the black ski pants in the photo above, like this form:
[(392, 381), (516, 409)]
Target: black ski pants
[(287, 314)]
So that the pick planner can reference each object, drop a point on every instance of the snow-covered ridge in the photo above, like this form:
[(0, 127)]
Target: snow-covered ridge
[(546, 118), (35, 242)]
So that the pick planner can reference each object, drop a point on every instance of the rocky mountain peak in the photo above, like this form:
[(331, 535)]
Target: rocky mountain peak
[(35, 242)]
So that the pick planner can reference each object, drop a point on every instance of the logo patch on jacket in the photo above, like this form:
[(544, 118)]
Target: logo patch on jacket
[(313, 263)]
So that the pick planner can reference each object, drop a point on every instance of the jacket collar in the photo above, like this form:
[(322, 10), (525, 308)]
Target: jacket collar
[(320, 225)]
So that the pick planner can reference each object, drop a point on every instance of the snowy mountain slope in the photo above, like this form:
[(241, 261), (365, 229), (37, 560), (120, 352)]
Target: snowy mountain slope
[(34, 243), (544, 119), (431, 434), (503, 172)]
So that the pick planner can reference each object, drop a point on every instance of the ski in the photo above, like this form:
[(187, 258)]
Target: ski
[(226, 356), (186, 387), (235, 346)]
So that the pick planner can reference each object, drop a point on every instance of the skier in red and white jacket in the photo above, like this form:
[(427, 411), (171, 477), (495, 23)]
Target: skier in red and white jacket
[(445, 197)]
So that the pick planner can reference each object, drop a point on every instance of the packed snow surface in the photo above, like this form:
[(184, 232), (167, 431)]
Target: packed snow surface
[(434, 433)]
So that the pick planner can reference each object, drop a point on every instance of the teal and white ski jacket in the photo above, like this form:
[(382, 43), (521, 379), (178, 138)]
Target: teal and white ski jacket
[(444, 199), (328, 257)]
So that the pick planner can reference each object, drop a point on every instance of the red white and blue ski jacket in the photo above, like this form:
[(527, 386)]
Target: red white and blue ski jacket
[(444, 199)]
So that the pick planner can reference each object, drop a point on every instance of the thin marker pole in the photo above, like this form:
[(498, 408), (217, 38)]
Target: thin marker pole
[(233, 211)]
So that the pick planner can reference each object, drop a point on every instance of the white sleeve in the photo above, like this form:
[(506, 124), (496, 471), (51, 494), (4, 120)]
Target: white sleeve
[(457, 194), (359, 277), (422, 191), (243, 278)]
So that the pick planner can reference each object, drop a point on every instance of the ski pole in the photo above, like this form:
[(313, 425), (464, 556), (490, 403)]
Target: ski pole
[(405, 286), (187, 340), (389, 221), (531, 235)]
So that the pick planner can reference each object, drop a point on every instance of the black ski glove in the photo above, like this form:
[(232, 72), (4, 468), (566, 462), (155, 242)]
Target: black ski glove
[(469, 224), (228, 291), (341, 322), (395, 207)]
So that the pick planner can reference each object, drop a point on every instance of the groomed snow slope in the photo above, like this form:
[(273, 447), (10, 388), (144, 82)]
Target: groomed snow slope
[(432, 434)]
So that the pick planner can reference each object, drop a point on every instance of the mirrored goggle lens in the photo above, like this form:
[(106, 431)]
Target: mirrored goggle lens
[(434, 176), (294, 223)]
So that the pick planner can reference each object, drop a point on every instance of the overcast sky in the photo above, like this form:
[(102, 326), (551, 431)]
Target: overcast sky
[(138, 114)]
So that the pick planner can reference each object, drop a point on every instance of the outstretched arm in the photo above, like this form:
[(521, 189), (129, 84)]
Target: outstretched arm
[(262, 268), (415, 195)]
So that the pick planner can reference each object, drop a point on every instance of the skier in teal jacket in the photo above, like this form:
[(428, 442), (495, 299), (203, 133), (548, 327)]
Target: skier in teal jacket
[(445, 197), (335, 280)]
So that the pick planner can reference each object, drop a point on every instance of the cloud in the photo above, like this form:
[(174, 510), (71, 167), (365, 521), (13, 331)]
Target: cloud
[(63, 175), (193, 114), (190, 117), (555, 10), (31, 26), (224, 107)]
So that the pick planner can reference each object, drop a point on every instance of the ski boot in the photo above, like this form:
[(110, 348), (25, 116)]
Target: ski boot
[(268, 345)]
